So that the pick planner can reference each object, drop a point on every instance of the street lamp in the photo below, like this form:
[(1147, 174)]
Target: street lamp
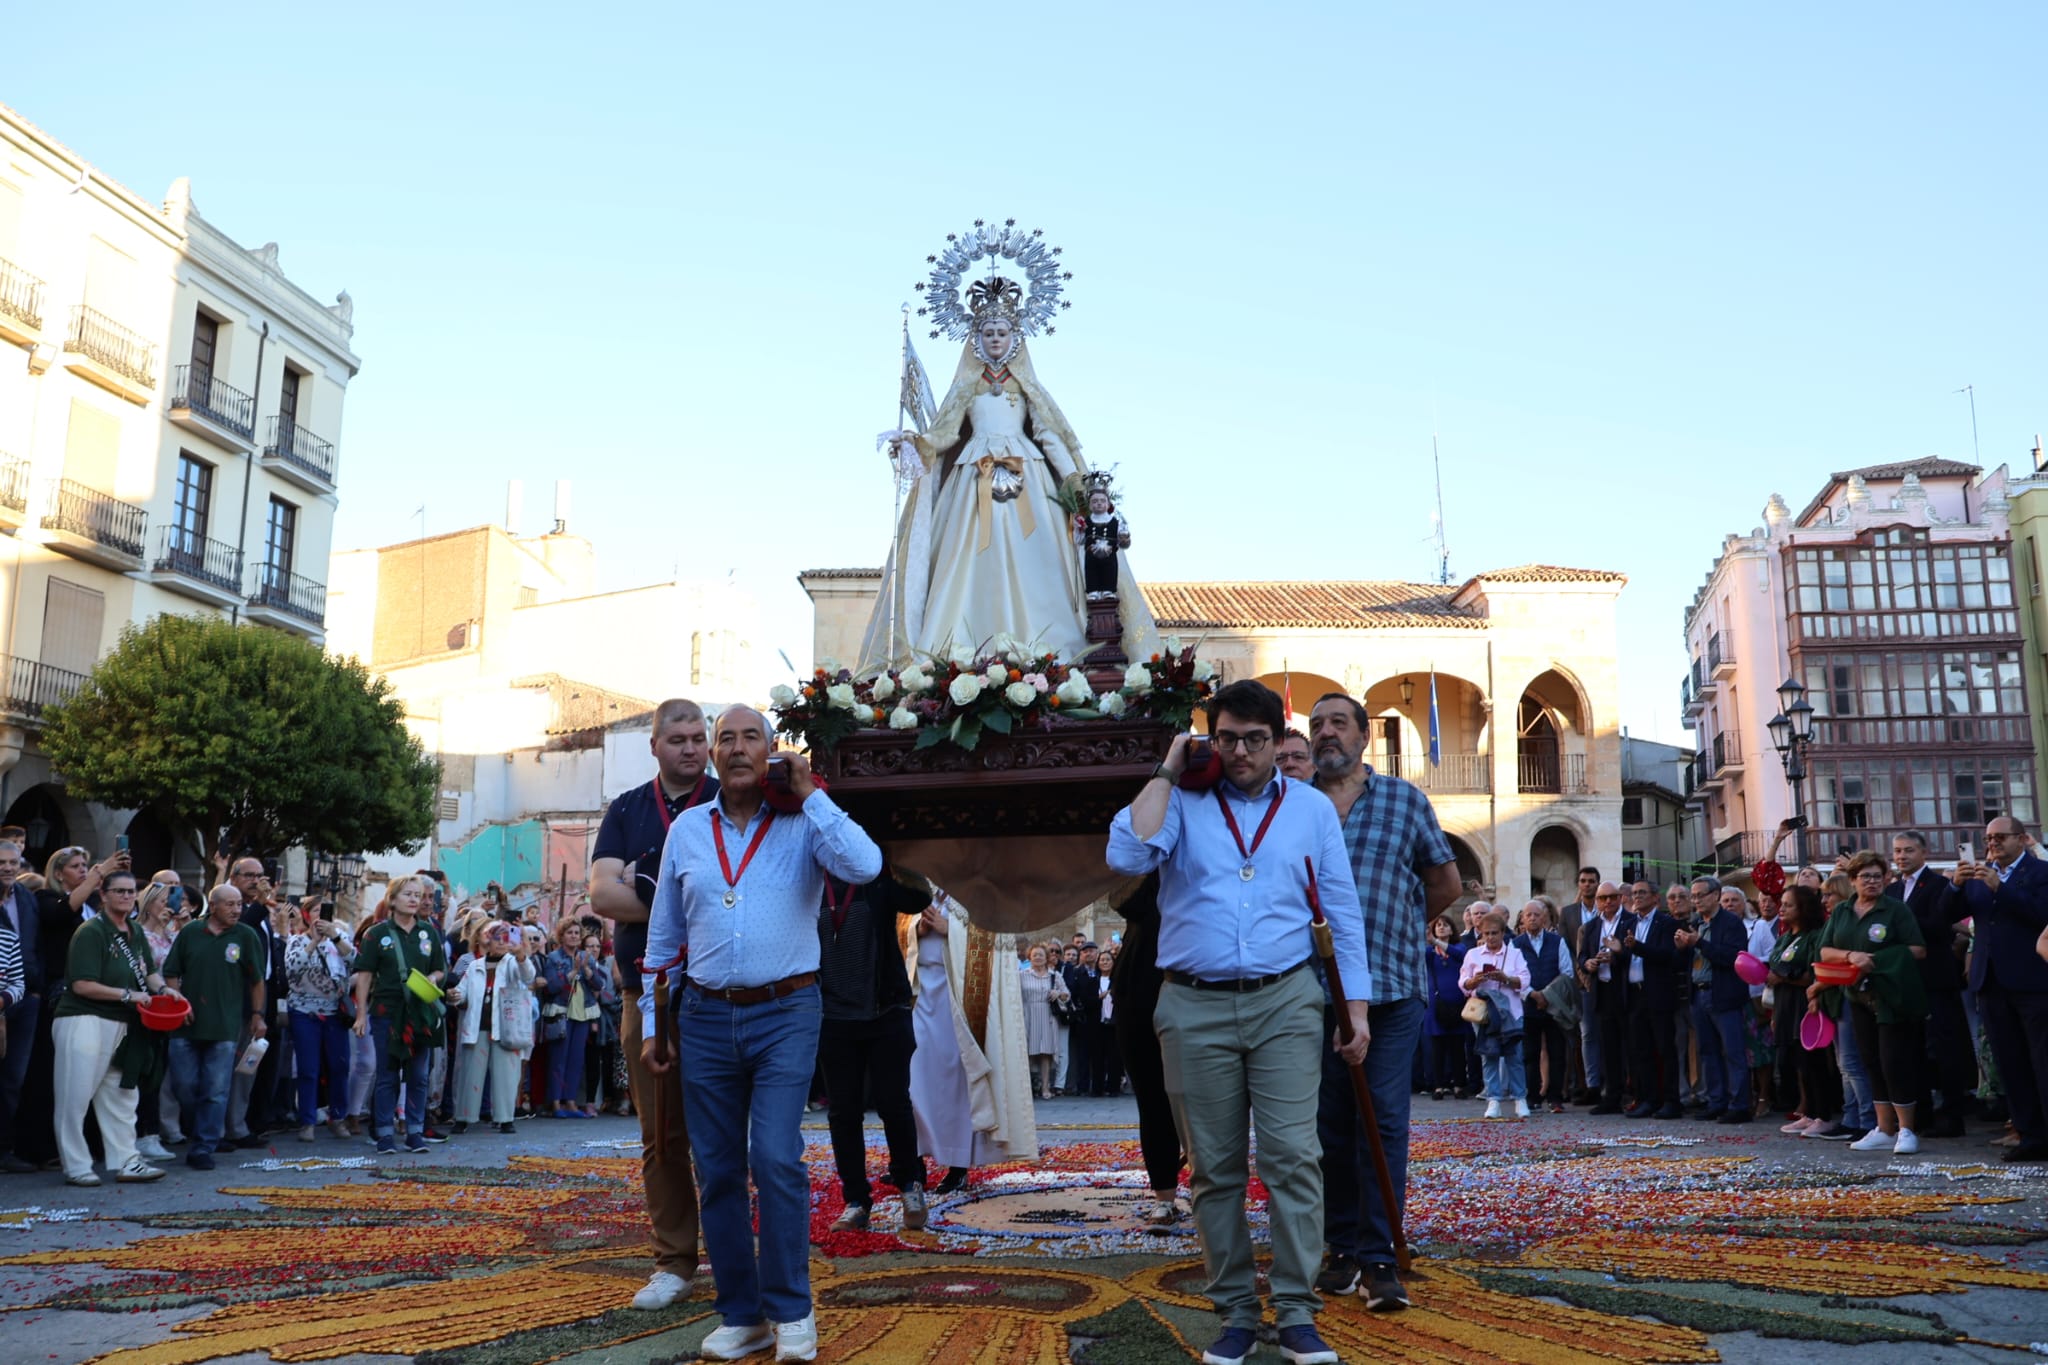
[(1791, 731), (1407, 691)]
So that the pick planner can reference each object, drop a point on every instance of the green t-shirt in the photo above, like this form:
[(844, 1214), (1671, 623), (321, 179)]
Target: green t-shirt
[(1889, 933), (215, 972), (389, 955), (97, 955)]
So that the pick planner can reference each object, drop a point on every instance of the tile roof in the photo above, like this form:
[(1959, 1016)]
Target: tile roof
[(582, 706), (1355, 605), (1927, 467), (1547, 573), (838, 573)]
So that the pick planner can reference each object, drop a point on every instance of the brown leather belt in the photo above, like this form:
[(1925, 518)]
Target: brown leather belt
[(757, 995), (1239, 985)]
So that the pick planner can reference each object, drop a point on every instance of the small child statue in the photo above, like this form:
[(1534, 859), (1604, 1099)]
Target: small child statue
[(1100, 533)]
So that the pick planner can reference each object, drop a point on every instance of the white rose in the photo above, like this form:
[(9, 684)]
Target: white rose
[(997, 675), (781, 694), (1138, 678), (1020, 694), (900, 719), (1006, 645), (1075, 690), (829, 664), (883, 689), (961, 655), (965, 689), (1171, 645), (1110, 703), (840, 695), (1204, 670), (913, 680)]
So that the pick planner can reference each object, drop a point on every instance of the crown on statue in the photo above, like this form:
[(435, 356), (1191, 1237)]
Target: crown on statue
[(995, 297)]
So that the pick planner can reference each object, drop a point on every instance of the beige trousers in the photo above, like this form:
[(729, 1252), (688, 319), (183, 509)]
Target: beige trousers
[(85, 1075)]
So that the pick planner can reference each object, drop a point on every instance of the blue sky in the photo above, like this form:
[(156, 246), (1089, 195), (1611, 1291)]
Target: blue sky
[(1640, 269)]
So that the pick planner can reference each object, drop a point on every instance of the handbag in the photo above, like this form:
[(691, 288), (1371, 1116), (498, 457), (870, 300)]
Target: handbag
[(1475, 1010)]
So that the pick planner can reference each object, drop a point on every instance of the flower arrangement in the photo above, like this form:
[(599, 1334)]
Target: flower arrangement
[(958, 699)]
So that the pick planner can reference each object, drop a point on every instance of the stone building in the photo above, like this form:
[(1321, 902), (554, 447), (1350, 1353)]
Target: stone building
[(1528, 780), (170, 412)]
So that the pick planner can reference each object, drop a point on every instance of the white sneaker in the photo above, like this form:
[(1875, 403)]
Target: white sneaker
[(662, 1289), (1493, 1109), (1521, 1109), (1876, 1140), (797, 1340), (138, 1171), (733, 1343), (152, 1149), (1907, 1144)]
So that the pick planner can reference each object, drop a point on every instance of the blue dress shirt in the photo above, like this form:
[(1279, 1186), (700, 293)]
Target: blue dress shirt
[(1216, 926), (771, 929)]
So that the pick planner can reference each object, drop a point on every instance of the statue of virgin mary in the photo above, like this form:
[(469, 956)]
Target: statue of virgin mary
[(982, 554)]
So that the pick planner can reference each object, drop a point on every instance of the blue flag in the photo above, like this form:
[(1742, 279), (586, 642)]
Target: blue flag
[(1436, 736)]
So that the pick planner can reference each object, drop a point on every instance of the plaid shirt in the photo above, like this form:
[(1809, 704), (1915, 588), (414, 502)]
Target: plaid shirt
[(1393, 838)]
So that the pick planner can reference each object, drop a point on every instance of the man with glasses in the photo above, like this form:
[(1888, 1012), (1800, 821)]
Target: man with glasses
[(18, 916), (1406, 874), (2008, 896), (1611, 975), (1294, 757), (1240, 1017), (1654, 1007)]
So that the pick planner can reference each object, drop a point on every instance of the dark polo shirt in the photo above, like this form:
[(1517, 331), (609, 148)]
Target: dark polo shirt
[(634, 832)]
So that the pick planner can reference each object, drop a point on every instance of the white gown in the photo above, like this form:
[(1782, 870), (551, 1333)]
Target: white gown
[(969, 1113), (1025, 583)]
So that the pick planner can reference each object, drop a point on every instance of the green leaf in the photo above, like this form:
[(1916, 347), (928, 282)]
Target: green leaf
[(998, 721), (929, 736), (968, 733)]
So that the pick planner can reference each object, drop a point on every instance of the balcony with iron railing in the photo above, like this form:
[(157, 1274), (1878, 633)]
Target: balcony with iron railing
[(110, 355), (286, 599), (1451, 775), (201, 402), (1738, 852), (14, 478), (1720, 657), (1541, 770), (297, 454), (186, 562), (1728, 751), (32, 686), (96, 526), (21, 304)]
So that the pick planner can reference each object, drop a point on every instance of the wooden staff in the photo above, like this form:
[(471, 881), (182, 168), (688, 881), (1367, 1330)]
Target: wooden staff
[(1326, 949), (666, 1051)]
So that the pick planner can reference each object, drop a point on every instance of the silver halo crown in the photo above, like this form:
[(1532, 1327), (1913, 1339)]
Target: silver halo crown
[(954, 316)]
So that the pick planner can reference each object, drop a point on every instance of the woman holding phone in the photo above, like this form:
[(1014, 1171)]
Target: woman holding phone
[(317, 954)]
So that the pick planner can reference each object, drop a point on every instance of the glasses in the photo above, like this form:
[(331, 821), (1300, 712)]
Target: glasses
[(120, 890), (1251, 744), (1999, 838), (1610, 896)]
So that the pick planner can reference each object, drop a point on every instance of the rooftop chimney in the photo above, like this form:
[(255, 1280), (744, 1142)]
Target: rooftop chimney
[(515, 505), (561, 506), (2040, 460)]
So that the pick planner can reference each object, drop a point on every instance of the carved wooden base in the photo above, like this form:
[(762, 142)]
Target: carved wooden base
[(1106, 661)]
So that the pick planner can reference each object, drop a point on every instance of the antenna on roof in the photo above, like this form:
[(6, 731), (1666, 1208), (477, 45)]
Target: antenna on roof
[(1443, 545), (1971, 389)]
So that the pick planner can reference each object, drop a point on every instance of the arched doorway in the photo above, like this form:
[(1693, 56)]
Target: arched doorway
[(38, 811), (1554, 864)]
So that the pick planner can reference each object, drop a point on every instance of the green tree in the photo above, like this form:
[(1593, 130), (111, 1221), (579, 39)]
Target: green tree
[(254, 737)]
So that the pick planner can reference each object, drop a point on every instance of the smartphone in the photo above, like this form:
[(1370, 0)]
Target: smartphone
[(1846, 850), (1965, 854), (778, 773), (327, 910), (120, 843), (1200, 750)]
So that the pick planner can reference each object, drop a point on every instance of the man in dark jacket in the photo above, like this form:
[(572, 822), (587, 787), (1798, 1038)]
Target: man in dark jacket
[(1611, 976), (1718, 1011), (1937, 907), (1653, 1013), (1084, 1035), (1549, 957), (18, 913), (866, 1040), (2008, 895)]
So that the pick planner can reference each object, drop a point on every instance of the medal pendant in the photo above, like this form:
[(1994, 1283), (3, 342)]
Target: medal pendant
[(1246, 873), (732, 898)]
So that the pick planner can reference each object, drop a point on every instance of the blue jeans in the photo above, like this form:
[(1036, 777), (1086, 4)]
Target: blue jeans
[(565, 1064), (21, 1033), (748, 1076), (1724, 1056), (1504, 1073), (201, 1074), (1355, 1221), (390, 1071), (319, 1039), (1857, 1109)]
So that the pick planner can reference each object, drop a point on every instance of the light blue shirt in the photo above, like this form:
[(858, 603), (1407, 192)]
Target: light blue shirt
[(1216, 926), (771, 929)]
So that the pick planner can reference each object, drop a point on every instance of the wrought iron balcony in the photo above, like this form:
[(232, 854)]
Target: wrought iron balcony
[(299, 449), (195, 390), (104, 341), (100, 518), (1720, 655), (1470, 773), (32, 686), (302, 599), (13, 484), (1541, 770), (211, 562), (1728, 750), (21, 295)]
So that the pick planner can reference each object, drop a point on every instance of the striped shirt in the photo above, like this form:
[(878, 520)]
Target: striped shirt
[(1393, 838), (13, 979)]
